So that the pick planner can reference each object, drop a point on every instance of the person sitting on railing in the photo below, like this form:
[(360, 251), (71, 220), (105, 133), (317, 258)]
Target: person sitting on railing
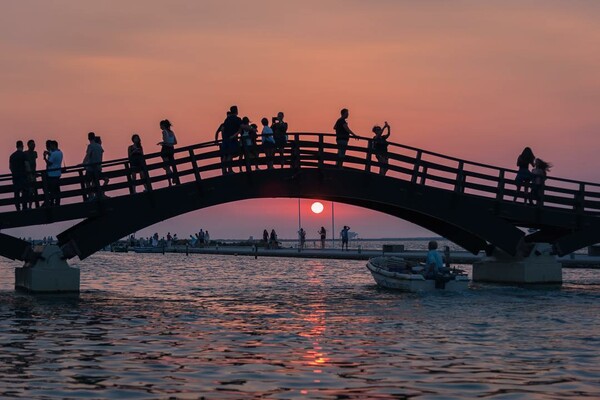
[(167, 151), (53, 158), (342, 136), (137, 162), (524, 176), (18, 168), (539, 174), (380, 146), (268, 142), (280, 128)]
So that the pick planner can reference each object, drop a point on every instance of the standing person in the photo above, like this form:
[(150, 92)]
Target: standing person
[(31, 165), (206, 237), (18, 169), (137, 162), (302, 236), (280, 128), (92, 163), (344, 235), (273, 239), (167, 151), (342, 136), (268, 142), (265, 236), (380, 146), (323, 234), (105, 180), (247, 141), (53, 158), (539, 174), (229, 145), (524, 176)]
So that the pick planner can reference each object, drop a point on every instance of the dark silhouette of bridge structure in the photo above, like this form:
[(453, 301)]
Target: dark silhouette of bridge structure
[(466, 202)]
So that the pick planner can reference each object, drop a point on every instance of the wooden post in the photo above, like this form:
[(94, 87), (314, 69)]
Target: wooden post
[(501, 183), (195, 166), (369, 156), (415, 174), (321, 161), (424, 175), (580, 199), (458, 185)]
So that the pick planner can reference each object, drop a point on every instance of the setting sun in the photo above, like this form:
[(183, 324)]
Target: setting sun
[(317, 207)]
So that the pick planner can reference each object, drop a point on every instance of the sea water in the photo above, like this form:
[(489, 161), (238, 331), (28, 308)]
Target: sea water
[(148, 326)]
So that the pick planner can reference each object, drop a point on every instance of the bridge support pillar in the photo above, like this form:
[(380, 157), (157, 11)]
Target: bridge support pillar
[(537, 266), (47, 271)]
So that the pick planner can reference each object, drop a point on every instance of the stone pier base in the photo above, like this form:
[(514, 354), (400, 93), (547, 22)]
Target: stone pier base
[(539, 266), (47, 272)]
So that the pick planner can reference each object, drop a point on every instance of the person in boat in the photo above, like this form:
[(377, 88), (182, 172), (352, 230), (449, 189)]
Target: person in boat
[(539, 174), (380, 146), (524, 176), (433, 262)]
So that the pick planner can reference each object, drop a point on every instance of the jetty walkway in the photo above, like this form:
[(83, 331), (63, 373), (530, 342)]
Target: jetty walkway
[(456, 257)]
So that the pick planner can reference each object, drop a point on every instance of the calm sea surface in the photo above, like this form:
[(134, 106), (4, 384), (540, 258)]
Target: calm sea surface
[(149, 326)]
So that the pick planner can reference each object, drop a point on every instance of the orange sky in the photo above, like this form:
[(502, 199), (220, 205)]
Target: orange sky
[(476, 80)]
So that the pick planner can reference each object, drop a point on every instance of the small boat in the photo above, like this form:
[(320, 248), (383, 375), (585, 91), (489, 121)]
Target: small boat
[(396, 273)]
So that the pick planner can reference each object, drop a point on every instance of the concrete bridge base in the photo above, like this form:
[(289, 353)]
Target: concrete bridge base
[(47, 272), (537, 266)]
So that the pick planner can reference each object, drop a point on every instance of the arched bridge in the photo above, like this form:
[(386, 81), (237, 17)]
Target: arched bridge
[(467, 202)]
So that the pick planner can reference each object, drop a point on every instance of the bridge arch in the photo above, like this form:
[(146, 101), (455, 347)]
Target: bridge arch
[(468, 203)]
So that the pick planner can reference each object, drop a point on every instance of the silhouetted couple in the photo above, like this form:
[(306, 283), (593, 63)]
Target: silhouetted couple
[(534, 178)]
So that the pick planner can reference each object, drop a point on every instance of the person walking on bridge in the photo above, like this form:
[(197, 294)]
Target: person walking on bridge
[(18, 168), (32, 156), (539, 174), (380, 146), (342, 136), (280, 128), (53, 158), (167, 151), (230, 132), (524, 176), (137, 162), (92, 162)]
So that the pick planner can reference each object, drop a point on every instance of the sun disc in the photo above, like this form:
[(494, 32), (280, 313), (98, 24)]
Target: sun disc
[(317, 207)]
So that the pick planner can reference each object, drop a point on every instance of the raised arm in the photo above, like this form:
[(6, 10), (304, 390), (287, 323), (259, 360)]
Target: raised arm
[(389, 131)]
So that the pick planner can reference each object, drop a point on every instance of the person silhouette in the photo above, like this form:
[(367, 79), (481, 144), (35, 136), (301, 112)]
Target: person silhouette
[(342, 136), (524, 176)]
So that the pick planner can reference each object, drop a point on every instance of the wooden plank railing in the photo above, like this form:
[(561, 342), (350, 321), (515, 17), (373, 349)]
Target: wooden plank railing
[(318, 150)]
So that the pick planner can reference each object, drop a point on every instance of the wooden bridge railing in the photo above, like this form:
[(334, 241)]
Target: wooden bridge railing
[(317, 150)]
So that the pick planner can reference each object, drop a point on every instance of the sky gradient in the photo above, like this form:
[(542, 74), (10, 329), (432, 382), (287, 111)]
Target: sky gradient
[(471, 79)]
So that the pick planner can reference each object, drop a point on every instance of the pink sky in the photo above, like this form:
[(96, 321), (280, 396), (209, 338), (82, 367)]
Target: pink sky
[(476, 80)]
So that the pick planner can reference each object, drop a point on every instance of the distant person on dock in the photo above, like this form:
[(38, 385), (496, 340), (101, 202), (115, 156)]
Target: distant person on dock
[(380, 146), (31, 165), (53, 158), (302, 237), (265, 238), (18, 169), (268, 142), (137, 162), (280, 128), (229, 145), (524, 176), (273, 240), (206, 237), (539, 174), (344, 235), (323, 234), (167, 151), (433, 261), (342, 136)]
